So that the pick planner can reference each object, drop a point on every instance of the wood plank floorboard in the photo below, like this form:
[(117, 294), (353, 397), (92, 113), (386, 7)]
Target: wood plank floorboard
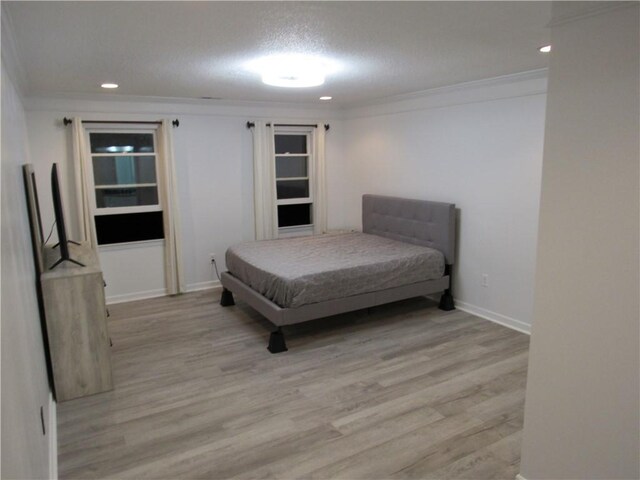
[(398, 391)]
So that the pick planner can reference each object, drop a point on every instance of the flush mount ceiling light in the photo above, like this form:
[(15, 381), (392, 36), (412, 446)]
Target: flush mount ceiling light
[(326, 97), (545, 49), (292, 71), (109, 85)]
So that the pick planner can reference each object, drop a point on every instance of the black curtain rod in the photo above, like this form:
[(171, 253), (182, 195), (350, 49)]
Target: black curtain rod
[(326, 125), (67, 121)]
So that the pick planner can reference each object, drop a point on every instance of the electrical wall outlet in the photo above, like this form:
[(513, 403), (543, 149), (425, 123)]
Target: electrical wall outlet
[(213, 258), (485, 280)]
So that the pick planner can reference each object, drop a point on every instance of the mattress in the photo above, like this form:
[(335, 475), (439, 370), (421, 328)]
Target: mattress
[(292, 272)]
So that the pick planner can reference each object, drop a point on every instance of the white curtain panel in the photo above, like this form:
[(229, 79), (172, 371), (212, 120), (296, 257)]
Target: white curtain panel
[(81, 166), (320, 195), (173, 273), (264, 182)]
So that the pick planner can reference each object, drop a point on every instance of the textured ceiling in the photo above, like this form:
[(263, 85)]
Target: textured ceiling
[(200, 49)]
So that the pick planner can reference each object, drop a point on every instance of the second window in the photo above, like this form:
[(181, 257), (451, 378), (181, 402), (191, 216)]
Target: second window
[(294, 185)]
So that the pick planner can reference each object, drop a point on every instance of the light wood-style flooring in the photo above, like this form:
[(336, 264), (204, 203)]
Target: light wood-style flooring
[(400, 391)]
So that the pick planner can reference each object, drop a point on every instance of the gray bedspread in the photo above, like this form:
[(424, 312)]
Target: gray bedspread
[(293, 272)]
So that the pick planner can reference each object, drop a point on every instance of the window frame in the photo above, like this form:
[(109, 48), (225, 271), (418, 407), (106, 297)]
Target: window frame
[(308, 132), (99, 211)]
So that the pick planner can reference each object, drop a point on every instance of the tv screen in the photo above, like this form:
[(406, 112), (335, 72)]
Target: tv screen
[(59, 213)]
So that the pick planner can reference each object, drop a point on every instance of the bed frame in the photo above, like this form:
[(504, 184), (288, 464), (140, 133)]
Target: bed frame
[(420, 222)]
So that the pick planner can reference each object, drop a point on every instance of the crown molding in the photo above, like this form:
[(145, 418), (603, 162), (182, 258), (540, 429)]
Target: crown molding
[(124, 104), (200, 102), (485, 82), (532, 82), (580, 10)]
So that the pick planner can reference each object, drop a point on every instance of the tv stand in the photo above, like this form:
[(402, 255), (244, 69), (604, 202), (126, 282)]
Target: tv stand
[(62, 259), (76, 318), (66, 260), (68, 241)]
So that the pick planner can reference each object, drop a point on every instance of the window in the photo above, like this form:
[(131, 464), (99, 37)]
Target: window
[(289, 188), (125, 200), (294, 185)]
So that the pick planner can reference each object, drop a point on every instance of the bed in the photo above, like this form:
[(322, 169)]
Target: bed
[(405, 250)]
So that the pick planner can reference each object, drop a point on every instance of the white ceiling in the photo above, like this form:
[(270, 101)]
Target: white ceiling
[(198, 49)]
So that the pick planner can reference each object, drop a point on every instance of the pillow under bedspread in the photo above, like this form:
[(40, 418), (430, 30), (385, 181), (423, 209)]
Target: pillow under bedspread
[(293, 272)]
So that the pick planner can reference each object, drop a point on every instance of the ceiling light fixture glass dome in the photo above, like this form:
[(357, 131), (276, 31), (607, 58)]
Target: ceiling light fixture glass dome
[(293, 80), (292, 71)]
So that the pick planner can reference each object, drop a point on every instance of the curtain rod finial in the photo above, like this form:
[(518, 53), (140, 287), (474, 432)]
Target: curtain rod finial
[(250, 124), (66, 121), (176, 123)]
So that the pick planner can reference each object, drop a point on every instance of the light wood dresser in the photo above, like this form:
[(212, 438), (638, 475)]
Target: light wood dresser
[(76, 318)]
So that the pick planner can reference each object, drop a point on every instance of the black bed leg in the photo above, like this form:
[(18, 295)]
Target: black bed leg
[(446, 300), (276, 342), (226, 299)]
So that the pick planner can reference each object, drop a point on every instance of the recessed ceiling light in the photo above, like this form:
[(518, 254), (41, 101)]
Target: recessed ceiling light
[(292, 70), (109, 85), (326, 97), (545, 49)]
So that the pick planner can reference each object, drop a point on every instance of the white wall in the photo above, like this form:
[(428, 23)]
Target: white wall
[(479, 146), (133, 270), (25, 388), (582, 405), (213, 152)]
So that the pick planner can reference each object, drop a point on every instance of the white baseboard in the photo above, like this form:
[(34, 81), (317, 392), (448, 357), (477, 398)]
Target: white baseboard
[(130, 297), (161, 292), (208, 285), (520, 477), (494, 317), (53, 438)]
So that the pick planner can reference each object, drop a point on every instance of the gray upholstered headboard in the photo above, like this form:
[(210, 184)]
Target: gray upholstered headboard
[(421, 222)]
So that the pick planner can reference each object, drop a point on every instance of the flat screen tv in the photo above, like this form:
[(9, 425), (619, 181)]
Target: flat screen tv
[(37, 242), (35, 220), (63, 241)]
